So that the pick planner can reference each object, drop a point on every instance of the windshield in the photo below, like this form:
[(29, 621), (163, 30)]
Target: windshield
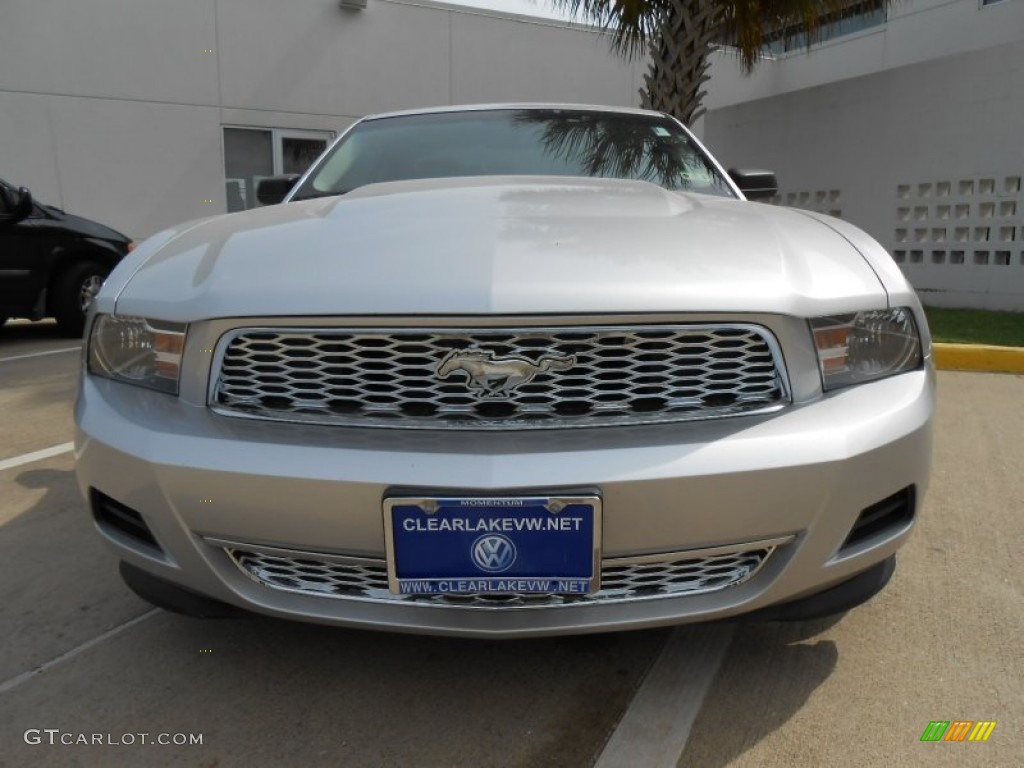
[(514, 142)]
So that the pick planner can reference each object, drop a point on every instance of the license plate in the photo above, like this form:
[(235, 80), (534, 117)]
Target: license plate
[(520, 545)]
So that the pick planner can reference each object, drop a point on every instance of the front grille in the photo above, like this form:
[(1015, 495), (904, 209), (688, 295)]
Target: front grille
[(621, 579), (499, 378)]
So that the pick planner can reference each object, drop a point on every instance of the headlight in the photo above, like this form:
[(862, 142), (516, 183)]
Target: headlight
[(864, 346), (137, 351)]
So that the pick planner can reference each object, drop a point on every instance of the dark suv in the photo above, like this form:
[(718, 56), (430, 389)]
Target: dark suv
[(51, 263)]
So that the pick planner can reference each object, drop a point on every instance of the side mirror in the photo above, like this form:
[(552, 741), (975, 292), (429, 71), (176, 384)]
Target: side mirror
[(754, 184), (18, 205), (23, 204), (272, 190)]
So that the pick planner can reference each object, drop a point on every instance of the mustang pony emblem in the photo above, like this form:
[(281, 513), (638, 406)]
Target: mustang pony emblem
[(498, 377)]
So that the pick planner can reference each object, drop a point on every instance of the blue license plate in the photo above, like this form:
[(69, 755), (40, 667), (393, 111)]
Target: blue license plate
[(528, 545)]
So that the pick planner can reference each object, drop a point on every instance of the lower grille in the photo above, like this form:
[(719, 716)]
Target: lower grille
[(624, 579), (886, 516), (111, 514)]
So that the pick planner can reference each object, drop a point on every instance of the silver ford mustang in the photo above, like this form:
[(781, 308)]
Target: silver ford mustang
[(506, 371)]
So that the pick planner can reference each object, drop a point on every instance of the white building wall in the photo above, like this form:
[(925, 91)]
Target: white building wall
[(911, 131), (916, 31), (113, 109)]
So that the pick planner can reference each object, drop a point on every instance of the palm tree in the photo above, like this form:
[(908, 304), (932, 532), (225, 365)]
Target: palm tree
[(679, 35)]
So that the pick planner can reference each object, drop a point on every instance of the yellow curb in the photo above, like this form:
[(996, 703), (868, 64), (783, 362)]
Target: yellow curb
[(978, 357)]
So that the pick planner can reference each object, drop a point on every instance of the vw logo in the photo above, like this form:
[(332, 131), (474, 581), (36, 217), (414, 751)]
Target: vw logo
[(493, 553)]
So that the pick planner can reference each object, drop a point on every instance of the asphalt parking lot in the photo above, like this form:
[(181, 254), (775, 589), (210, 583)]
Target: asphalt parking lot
[(83, 656)]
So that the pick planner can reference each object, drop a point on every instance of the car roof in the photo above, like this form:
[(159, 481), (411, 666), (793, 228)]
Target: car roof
[(525, 105)]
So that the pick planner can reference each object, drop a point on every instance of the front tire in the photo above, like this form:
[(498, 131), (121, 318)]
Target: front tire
[(74, 292)]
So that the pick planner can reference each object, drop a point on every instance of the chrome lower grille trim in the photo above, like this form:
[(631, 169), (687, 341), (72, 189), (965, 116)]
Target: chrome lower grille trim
[(498, 378), (673, 574)]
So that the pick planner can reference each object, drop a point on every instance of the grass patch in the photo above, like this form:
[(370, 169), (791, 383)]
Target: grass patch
[(976, 326)]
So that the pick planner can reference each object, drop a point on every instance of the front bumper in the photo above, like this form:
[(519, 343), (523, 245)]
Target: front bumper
[(803, 475)]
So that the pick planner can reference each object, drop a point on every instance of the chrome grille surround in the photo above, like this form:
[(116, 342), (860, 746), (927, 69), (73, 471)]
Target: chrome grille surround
[(626, 579), (388, 377)]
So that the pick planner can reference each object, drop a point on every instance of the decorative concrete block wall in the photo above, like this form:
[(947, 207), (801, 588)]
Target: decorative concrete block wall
[(958, 235), (916, 125), (940, 189), (828, 201), (963, 221)]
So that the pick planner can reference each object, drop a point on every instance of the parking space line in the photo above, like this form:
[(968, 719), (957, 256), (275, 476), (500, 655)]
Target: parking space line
[(14, 682), (40, 354), (28, 458), (656, 726)]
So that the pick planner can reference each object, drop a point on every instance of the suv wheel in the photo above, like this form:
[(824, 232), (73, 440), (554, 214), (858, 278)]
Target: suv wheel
[(74, 292)]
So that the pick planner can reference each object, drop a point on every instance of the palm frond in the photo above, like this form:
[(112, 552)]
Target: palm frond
[(631, 24), (748, 25), (680, 34)]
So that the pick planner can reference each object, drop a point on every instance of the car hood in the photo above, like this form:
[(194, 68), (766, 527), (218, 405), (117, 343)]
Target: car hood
[(86, 227), (521, 245)]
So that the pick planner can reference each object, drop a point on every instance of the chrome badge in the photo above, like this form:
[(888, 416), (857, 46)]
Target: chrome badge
[(493, 553), (498, 376)]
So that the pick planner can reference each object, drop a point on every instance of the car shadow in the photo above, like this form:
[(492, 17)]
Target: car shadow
[(60, 586), (771, 671), (252, 683)]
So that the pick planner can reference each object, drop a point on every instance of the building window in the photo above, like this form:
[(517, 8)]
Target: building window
[(850, 17), (251, 154)]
